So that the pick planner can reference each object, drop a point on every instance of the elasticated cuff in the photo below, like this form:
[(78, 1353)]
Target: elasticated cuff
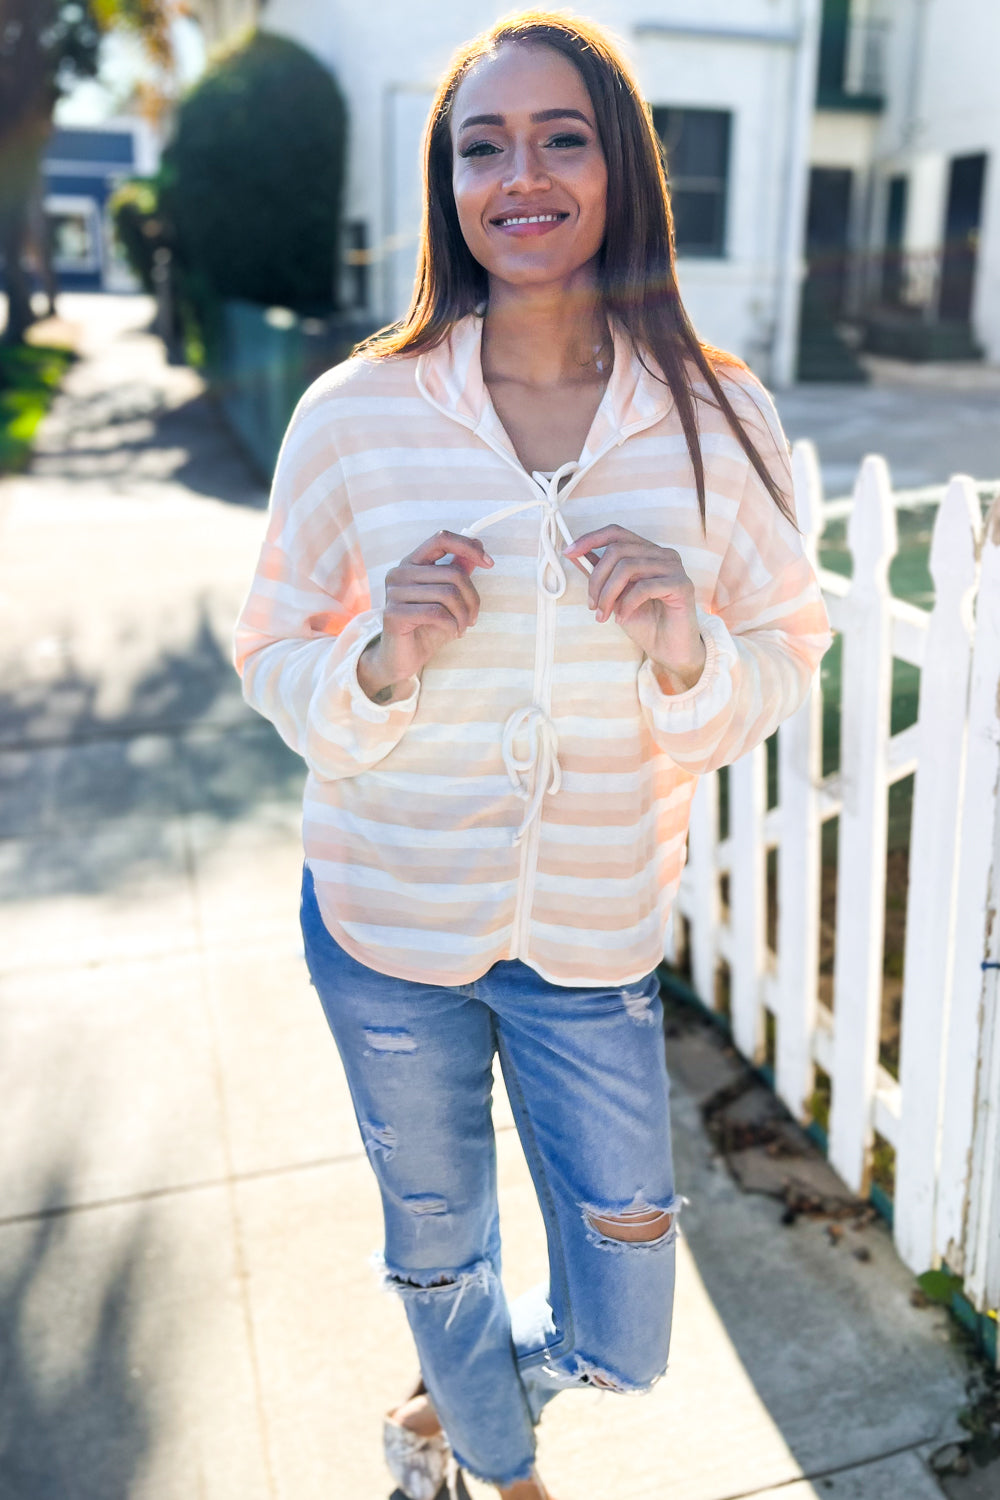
[(367, 628), (681, 712)]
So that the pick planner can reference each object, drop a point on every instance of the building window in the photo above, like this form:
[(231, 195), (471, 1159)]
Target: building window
[(74, 227), (696, 147)]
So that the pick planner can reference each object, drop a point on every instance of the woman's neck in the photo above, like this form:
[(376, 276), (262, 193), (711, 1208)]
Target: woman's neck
[(543, 336)]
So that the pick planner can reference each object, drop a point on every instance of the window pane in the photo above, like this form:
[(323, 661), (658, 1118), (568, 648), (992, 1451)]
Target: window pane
[(696, 147), (697, 221), (696, 141)]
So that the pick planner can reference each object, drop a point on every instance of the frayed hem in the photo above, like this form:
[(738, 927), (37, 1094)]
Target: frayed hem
[(518, 1477), (587, 1372)]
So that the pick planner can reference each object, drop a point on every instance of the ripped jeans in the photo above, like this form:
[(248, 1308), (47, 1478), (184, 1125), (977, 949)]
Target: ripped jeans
[(586, 1075)]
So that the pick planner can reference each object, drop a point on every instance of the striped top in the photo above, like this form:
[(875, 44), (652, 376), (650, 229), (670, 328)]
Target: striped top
[(529, 798)]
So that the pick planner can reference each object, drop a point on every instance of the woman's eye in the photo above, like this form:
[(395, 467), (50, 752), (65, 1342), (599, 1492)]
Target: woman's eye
[(479, 148), (567, 140)]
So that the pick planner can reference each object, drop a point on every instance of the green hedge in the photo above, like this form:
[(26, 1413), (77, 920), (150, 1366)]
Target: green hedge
[(251, 185)]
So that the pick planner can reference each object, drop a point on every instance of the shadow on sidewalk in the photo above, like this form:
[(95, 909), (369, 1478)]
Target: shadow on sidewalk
[(75, 1417), (130, 432), (88, 799)]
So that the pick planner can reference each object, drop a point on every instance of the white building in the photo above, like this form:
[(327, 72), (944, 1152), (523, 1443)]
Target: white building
[(901, 174), (730, 80), (844, 138)]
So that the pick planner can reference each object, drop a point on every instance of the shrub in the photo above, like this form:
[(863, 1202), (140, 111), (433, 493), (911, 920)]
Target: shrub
[(138, 224), (251, 184), (29, 378)]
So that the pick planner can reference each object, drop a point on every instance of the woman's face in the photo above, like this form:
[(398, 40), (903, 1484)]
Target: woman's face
[(529, 175)]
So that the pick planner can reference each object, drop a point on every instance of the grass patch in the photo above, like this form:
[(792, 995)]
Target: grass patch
[(30, 375), (820, 1100)]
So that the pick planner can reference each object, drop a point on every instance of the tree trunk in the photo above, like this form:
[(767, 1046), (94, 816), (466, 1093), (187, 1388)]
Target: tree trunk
[(40, 238), (13, 238)]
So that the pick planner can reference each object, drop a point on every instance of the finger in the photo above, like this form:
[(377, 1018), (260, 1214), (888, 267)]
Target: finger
[(411, 616), (435, 575), (638, 550), (611, 558), (603, 537), (639, 592), (444, 594), (622, 575), (467, 550), (586, 564)]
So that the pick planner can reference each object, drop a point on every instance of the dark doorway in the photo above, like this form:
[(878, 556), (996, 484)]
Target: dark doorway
[(827, 225), (825, 353), (961, 236), (892, 260)]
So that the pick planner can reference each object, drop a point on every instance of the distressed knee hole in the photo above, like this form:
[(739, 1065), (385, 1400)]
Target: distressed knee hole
[(422, 1204), (379, 1139), (633, 1228), (641, 1223), (389, 1039), (412, 1281), (440, 1288)]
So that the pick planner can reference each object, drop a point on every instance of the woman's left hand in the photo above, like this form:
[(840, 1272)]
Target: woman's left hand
[(651, 597)]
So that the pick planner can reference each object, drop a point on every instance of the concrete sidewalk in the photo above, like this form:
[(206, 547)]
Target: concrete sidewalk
[(186, 1214)]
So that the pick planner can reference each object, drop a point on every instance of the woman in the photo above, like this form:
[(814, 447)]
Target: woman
[(531, 569)]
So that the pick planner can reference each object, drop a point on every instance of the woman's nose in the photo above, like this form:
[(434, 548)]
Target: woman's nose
[(525, 170)]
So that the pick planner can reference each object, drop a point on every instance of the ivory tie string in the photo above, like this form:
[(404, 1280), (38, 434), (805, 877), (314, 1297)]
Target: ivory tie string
[(536, 771)]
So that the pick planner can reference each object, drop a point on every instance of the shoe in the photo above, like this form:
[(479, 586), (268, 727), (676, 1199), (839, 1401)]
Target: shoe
[(421, 1466)]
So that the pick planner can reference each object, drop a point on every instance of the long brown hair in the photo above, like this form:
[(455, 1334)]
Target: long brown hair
[(636, 270)]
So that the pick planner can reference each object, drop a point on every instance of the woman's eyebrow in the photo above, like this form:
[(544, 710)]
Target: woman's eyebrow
[(539, 118)]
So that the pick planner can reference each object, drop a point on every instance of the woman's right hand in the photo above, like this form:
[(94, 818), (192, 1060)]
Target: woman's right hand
[(427, 604)]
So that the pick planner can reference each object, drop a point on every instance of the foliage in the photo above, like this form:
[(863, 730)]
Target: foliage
[(883, 1172), (29, 377), (138, 224), (149, 19), (46, 46), (252, 181), (939, 1286)]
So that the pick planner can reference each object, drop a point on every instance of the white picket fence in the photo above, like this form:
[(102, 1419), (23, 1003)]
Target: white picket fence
[(941, 1116)]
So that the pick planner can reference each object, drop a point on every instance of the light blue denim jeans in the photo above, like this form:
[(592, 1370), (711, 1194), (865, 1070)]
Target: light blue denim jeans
[(586, 1075)]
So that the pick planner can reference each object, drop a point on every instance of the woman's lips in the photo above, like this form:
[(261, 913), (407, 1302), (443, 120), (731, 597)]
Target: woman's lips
[(524, 226)]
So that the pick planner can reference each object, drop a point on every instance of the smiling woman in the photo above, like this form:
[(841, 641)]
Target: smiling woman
[(503, 744)]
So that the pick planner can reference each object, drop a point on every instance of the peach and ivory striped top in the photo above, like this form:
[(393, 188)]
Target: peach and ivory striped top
[(529, 798)]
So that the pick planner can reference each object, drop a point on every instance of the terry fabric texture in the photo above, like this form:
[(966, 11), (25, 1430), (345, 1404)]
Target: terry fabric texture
[(529, 797)]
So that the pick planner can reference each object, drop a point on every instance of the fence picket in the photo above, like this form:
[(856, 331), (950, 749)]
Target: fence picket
[(866, 675), (703, 839), (968, 1202), (943, 1115), (747, 893), (800, 747), (930, 913)]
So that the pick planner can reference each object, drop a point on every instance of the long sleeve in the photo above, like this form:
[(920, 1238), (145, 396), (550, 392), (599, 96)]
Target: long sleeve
[(765, 633), (308, 615)]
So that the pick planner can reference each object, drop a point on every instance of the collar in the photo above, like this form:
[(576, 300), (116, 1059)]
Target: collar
[(450, 376)]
